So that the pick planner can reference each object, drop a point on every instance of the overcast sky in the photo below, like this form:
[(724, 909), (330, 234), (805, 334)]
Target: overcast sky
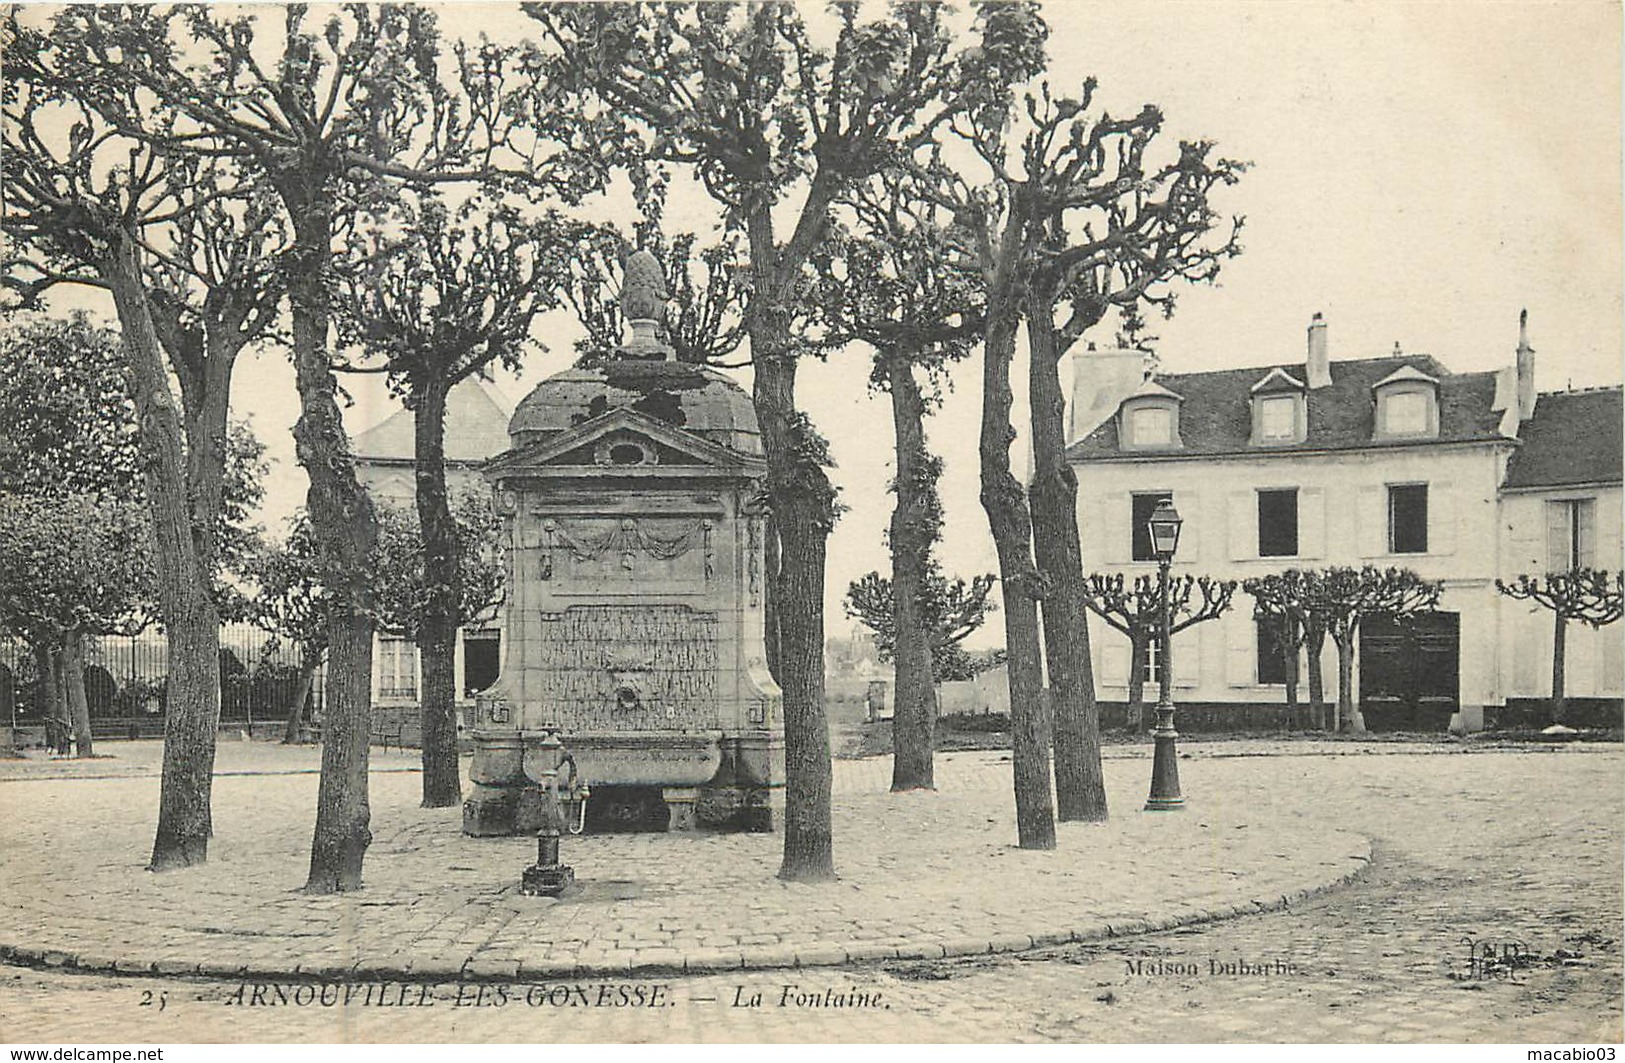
[(1420, 173)]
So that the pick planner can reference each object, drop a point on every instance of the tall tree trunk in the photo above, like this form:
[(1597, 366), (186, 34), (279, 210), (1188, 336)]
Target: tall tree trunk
[(345, 529), (802, 503), (73, 672), (1080, 787), (914, 526), (1314, 642), (1560, 640), (1005, 503), (185, 602), (1139, 654), (437, 627), (308, 663)]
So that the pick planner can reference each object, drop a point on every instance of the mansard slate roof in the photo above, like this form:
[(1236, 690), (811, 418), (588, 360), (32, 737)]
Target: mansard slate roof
[(475, 428), (1217, 416), (1574, 438)]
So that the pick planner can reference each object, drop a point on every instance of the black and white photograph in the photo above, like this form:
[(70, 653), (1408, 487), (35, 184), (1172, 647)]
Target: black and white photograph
[(811, 522)]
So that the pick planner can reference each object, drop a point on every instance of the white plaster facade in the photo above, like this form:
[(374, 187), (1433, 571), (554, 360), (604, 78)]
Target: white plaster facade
[(1477, 528)]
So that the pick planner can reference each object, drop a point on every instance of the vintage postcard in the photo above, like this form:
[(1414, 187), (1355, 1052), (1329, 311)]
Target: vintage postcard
[(636, 522)]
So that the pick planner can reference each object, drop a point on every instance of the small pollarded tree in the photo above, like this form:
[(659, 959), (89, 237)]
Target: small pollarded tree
[(946, 612), (433, 295), (1584, 595), (290, 602), (1290, 608), (1346, 597), (1135, 609)]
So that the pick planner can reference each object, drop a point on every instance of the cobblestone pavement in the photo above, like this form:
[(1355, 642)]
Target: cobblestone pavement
[(1499, 847), (923, 875)]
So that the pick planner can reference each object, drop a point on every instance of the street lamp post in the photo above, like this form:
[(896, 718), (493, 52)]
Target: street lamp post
[(1165, 796)]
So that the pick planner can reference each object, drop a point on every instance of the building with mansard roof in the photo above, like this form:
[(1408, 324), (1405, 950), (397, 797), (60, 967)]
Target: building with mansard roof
[(1389, 461)]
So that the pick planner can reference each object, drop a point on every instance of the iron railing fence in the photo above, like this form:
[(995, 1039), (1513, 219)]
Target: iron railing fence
[(125, 678)]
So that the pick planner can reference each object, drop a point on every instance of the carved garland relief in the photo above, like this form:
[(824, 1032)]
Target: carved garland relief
[(625, 539)]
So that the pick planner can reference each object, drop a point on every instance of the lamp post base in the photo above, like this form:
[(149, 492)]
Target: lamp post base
[(1165, 795)]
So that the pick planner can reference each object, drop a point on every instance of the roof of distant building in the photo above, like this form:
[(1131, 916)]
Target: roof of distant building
[(1573, 438), (1216, 417), (476, 428)]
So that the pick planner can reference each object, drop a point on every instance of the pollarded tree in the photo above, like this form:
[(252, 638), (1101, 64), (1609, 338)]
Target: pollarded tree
[(322, 118), (1086, 220), (947, 611), (776, 126), (1586, 595), (1289, 605), (1135, 609), (1346, 597), (434, 295), (893, 285), (184, 250)]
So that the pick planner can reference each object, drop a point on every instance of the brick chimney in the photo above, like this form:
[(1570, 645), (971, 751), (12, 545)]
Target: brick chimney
[(1318, 366), (1526, 369)]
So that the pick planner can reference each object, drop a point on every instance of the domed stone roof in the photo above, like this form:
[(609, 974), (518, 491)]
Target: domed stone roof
[(689, 397)]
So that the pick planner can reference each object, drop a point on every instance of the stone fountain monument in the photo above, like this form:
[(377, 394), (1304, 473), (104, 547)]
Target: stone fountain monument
[(636, 589)]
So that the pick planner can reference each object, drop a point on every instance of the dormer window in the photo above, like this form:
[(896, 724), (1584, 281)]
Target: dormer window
[(1279, 415), (1151, 426), (1277, 418), (1407, 405), (1149, 418)]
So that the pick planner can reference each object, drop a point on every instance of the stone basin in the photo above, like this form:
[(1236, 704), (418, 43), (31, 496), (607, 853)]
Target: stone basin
[(636, 758)]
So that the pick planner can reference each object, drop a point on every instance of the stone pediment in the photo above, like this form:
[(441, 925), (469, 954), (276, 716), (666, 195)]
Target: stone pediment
[(624, 442)]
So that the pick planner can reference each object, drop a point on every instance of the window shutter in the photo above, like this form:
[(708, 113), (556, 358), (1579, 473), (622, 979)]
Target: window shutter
[(1114, 659), (1586, 512), (1311, 522), (1610, 665), (1115, 542), (1239, 653), (1580, 675), (1557, 537), (1189, 504), (1242, 525), (1441, 518), (1187, 654), (1371, 521)]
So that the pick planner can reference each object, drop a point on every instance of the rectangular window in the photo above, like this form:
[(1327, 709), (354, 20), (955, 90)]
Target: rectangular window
[(1143, 507), (1408, 518), (397, 668), (1405, 413), (1271, 661), (1153, 662), (1152, 426), (1571, 534), (1277, 418), (1278, 523)]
